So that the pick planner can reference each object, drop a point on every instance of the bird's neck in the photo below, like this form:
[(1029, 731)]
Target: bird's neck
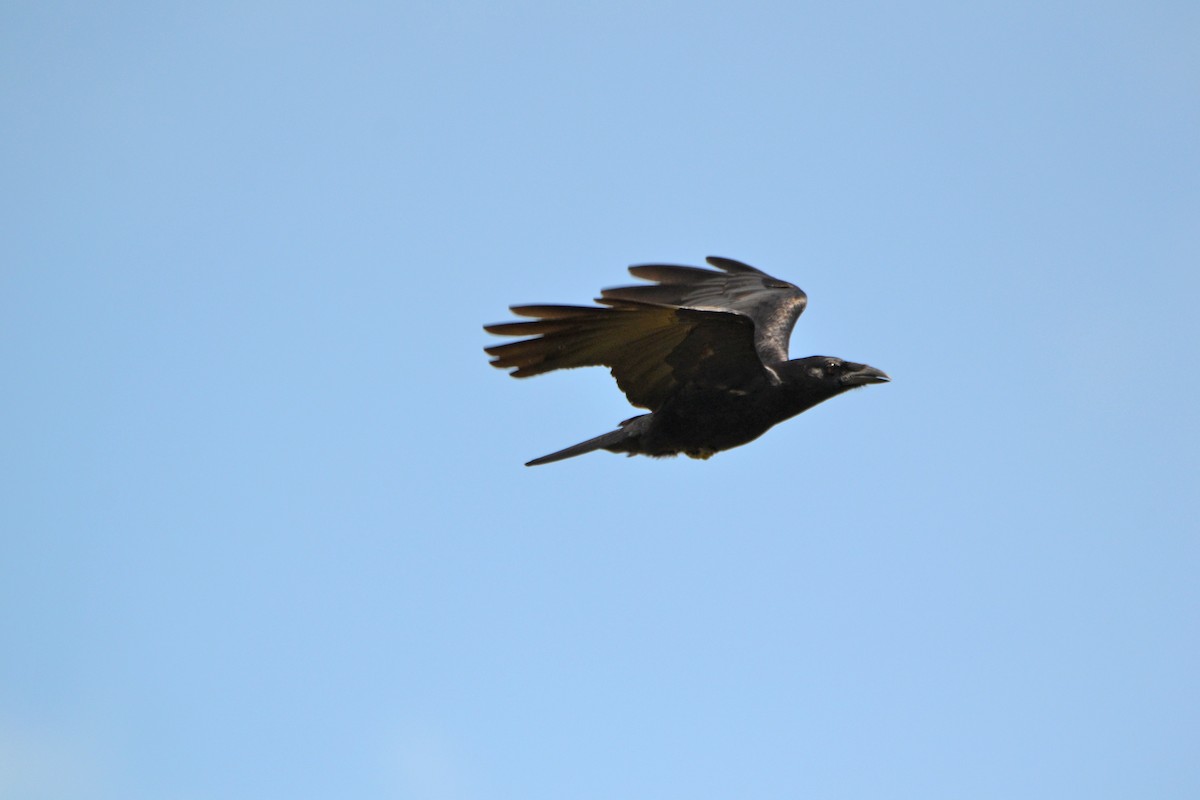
[(799, 391)]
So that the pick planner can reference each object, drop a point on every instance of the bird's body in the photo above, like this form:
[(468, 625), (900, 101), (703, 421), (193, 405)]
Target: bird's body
[(704, 351)]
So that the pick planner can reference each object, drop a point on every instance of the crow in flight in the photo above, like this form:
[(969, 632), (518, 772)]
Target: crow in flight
[(705, 351)]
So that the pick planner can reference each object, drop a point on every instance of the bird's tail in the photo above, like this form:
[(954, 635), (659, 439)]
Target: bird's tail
[(625, 432)]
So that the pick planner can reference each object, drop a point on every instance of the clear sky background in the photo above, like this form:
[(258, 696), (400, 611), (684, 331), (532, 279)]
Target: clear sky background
[(266, 528)]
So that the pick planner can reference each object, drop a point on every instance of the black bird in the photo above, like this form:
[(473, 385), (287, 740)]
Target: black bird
[(706, 352)]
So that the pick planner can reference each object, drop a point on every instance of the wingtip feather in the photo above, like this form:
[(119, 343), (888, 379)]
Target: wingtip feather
[(732, 265)]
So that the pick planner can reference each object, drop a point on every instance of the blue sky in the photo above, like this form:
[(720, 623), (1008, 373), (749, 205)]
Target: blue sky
[(266, 532)]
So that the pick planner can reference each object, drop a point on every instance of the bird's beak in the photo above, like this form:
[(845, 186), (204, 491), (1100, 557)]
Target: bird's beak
[(865, 375)]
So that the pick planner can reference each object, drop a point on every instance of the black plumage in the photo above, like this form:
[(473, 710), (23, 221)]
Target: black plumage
[(706, 352)]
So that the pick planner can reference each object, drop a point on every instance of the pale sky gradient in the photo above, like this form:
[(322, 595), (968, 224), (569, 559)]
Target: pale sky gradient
[(266, 532)]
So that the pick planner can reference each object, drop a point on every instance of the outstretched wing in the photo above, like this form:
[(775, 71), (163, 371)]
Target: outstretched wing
[(771, 304), (652, 350)]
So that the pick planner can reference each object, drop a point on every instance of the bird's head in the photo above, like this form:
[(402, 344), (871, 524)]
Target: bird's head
[(831, 375)]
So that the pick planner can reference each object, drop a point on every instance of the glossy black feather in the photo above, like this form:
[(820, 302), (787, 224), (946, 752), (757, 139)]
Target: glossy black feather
[(771, 304)]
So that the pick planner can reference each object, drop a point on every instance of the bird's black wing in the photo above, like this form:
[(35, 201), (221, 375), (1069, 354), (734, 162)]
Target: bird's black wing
[(652, 350), (771, 304)]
